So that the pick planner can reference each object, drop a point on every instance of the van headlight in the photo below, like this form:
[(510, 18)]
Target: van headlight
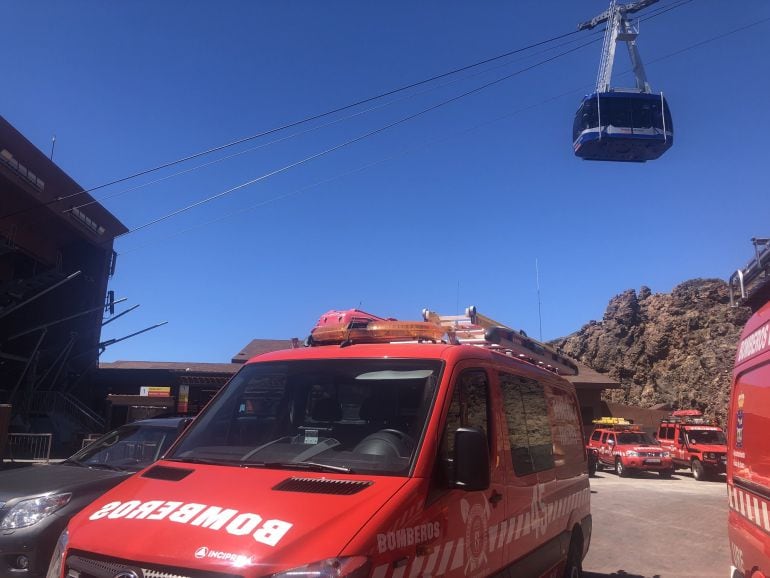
[(666, 454), (31, 511), (57, 560), (710, 455), (351, 567), (632, 454)]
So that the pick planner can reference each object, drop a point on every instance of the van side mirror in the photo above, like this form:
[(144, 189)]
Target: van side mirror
[(471, 459)]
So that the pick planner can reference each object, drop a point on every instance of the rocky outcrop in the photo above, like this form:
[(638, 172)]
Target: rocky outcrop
[(672, 348)]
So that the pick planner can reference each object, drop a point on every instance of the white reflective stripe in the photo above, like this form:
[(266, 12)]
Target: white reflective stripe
[(740, 503), (380, 571), (730, 495), (445, 558), (416, 566), (756, 512), (749, 513), (399, 572), (432, 561), (457, 561), (503, 531), (764, 516), (511, 528), (519, 525)]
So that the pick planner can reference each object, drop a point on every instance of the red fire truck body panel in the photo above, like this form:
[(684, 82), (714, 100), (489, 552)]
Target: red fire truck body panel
[(251, 516), (748, 463)]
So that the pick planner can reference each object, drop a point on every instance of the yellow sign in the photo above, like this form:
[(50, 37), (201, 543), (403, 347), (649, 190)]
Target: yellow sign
[(155, 391)]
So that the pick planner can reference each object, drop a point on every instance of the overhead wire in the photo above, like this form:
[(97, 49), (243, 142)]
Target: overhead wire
[(314, 128), (422, 146), (291, 124), (351, 141), (305, 120)]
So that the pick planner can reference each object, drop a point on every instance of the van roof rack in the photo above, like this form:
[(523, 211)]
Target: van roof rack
[(473, 328), (750, 286), (687, 416)]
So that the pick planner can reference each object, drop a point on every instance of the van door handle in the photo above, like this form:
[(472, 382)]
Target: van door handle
[(495, 498)]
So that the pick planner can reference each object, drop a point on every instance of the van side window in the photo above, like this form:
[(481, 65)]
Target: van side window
[(469, 408), (604, 437), (529, 428), (669, 433), (596, 435)]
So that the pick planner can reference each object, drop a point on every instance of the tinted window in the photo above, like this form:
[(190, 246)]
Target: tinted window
[(130, 447), (596, 435), (529, 428)]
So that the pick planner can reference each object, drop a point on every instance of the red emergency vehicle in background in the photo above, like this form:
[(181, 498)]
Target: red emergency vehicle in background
[(748, 457), (694, 442), (625, 448), (444, 447)]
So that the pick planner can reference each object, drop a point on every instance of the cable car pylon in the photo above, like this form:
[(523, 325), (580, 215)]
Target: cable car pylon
[(621, 124)]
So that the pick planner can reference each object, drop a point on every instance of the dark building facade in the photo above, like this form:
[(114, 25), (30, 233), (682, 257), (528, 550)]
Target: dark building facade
[(56, 257)]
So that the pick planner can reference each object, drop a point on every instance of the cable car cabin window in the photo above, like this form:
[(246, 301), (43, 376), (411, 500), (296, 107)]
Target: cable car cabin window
[(529, 428), (638, 111)]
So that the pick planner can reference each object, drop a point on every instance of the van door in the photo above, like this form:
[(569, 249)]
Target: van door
[(528, 537), (470, 519)]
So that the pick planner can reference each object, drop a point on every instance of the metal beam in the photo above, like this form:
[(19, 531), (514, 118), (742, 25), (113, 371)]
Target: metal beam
[(9, 310)]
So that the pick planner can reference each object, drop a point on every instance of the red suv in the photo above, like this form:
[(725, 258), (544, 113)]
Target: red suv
[(626, 448)]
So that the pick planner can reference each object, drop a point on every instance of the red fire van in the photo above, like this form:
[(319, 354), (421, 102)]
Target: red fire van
[(382, 450), (748, 449)]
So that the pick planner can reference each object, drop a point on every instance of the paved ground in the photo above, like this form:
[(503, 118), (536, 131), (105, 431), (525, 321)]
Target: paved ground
[(647, 527)]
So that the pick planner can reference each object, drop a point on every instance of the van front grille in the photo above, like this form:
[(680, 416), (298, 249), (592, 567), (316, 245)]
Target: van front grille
[(85, 565)]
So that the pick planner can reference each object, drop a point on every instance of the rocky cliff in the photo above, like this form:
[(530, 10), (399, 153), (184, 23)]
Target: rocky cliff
[(672, 348)]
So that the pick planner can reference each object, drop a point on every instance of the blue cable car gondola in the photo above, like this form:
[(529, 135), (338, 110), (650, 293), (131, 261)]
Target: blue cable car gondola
[(622, 126)]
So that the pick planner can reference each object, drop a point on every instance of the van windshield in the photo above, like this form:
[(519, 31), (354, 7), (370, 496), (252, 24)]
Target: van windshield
[(348, 415)]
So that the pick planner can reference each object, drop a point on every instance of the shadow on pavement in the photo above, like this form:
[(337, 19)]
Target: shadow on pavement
[(618, 573)]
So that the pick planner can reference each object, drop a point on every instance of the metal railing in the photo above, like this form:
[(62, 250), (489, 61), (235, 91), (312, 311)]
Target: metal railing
[(69, 406), (29, 447)]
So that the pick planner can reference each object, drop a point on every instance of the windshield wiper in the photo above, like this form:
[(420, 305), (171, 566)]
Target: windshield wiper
[(102, 466), (206, 461), (310, 466)]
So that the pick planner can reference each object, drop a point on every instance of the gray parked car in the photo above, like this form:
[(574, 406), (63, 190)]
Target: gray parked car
[(37, 502)]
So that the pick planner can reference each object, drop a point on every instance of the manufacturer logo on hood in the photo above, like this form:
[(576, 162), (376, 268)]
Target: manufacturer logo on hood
[(237, 559)]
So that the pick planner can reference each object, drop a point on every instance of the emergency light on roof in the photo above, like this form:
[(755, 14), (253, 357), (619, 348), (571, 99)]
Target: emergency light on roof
[(354, 326)]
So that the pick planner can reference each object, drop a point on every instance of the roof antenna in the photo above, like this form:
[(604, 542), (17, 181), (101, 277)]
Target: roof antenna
[(539, 313), (53, 144)]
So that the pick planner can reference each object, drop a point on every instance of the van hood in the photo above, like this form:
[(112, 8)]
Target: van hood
[(223, 519)]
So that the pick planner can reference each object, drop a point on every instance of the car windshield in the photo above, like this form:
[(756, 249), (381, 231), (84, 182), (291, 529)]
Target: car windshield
[(706, 437), (349, 415), (130, 447), (636, 439)]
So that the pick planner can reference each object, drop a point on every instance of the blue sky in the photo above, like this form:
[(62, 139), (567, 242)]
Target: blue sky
[(453, 207)]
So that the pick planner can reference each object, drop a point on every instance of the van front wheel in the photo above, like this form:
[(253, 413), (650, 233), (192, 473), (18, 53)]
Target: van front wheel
[(574, 567), (620, 469)]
